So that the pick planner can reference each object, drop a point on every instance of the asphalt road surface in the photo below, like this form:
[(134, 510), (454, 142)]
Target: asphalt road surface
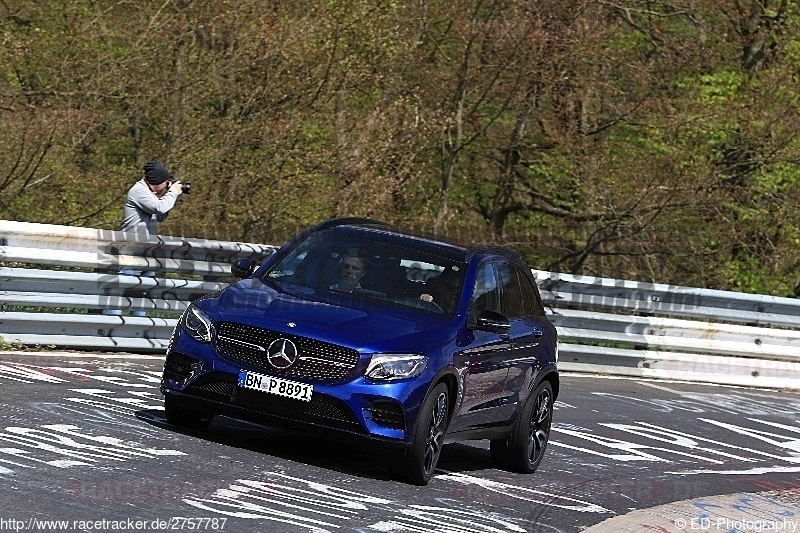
[(84, 447)]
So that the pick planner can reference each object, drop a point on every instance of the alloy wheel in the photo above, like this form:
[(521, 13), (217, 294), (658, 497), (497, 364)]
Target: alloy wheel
[(539, 427), (436, 430)]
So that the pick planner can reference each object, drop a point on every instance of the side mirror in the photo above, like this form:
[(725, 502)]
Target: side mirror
[(243, 268), (493, 322)]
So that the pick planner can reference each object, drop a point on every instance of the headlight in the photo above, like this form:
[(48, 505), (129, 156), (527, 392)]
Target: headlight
[(197, 324), (384, 367)]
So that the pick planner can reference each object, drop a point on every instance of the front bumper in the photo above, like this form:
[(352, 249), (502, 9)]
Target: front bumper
[(199, 379)]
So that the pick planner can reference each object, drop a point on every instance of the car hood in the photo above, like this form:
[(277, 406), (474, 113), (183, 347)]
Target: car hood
[(364, 324)]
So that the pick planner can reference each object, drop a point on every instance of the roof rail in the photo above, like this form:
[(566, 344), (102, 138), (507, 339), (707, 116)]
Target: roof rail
[(332, 222)]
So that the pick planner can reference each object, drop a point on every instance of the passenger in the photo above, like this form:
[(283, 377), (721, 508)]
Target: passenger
[(444, 290), (414, 272)]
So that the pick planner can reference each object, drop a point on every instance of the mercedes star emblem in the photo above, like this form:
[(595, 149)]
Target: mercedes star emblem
[(282, 353)]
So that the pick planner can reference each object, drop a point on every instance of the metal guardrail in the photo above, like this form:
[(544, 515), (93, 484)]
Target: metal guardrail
[(563, 290), (67, 246), (606, 326), (673, 334), (53, 288), (63, 306), (621, 327)]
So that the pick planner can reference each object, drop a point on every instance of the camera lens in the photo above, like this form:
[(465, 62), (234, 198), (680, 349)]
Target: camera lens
[(186, 188)]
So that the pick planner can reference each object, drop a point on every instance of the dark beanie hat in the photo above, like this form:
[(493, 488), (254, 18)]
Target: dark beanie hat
[(155, 173)]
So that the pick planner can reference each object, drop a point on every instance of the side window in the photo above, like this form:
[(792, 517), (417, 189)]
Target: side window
[(510, 294), (486, 295), (530, 295)]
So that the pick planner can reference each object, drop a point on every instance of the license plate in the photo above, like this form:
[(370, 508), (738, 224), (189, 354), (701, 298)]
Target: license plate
[(277, 386)]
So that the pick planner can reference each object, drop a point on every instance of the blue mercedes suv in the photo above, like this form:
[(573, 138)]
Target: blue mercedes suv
[(358, 329)]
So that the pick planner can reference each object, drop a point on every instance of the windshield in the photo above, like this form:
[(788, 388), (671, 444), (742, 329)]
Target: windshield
[(358, 262)]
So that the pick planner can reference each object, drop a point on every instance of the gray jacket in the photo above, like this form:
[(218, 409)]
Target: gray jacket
[(144, 210)]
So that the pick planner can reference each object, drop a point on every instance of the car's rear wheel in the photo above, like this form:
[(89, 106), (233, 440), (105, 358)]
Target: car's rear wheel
[(180, 416), (423, 455), (525, 447)]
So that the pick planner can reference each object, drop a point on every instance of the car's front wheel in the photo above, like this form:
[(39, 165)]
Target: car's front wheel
[(186, 418), (524, 449), (423, 455)]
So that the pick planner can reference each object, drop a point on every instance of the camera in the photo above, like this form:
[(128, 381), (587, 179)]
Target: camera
[(185, 187)]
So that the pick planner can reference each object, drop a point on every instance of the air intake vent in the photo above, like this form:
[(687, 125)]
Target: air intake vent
[(387, 413), (178, 366)]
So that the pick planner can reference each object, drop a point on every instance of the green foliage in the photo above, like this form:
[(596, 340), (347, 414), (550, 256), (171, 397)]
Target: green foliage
[(720, 87), (631, 139), (9, 346)]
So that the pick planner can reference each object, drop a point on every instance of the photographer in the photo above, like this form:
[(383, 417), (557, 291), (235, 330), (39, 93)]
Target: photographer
[(150, 199), (149, 202)]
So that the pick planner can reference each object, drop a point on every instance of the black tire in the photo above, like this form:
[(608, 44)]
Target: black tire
[(525, 447), (423, 454), (185, 418)]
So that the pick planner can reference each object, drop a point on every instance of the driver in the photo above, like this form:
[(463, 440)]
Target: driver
[(351, 269)]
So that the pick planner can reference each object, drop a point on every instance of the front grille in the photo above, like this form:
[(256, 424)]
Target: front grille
[(316, 360), (322, 409), (328, 408), (178, 366), (214, 386)]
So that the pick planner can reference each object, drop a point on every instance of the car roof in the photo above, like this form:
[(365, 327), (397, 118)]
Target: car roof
[(447, 246)]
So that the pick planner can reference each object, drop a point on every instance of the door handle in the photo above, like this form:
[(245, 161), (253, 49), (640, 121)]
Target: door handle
[(537, 333)]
